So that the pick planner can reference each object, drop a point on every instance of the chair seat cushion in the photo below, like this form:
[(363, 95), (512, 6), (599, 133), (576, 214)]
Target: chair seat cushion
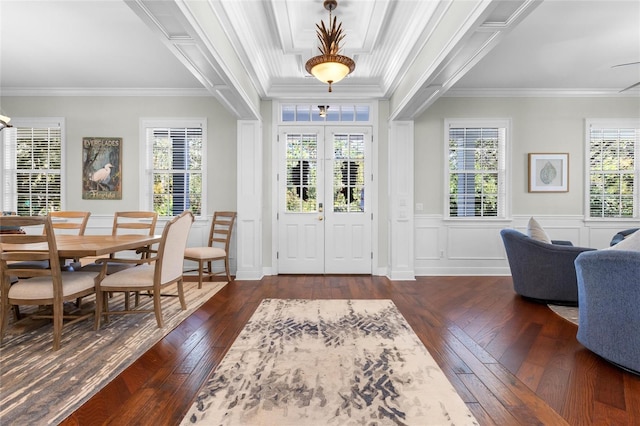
[(203, 253), (140, 276), (41, 287)]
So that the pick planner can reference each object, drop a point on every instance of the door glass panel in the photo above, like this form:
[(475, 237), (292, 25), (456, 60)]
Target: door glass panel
[(348, 172), (302, 167)]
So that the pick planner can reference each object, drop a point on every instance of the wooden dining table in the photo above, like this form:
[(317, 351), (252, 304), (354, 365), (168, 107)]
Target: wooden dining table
[(77, 246)]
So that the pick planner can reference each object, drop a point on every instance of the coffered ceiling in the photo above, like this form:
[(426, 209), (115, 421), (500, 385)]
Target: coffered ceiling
[(115, 47)]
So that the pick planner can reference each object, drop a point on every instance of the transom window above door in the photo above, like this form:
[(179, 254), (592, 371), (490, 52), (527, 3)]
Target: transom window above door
[(334, 113)]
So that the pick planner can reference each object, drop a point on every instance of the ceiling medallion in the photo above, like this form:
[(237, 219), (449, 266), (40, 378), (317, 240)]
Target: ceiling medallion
[(330, 67)]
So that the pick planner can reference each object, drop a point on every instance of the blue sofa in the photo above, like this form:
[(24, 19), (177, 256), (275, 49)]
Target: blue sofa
[(609, 298), (540, 271)]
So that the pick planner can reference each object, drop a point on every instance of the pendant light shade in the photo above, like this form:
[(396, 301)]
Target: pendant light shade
[(330, 67)]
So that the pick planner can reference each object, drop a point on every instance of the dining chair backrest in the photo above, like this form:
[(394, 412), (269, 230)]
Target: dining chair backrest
[(46, 240), (221, 229), (69, 221), (134, 222), (169, 266)]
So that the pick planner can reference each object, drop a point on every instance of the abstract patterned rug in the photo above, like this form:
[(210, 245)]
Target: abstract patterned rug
[(328, 362), (39, 386)]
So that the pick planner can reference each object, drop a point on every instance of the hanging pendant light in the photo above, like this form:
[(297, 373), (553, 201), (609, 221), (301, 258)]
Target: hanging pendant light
[(330, 67), (323, 110)]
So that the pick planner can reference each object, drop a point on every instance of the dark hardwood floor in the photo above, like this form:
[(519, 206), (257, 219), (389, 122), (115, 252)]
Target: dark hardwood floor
[(512, 361)]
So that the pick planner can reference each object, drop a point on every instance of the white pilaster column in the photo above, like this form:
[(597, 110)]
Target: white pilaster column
[(401, 234), (249, 202)]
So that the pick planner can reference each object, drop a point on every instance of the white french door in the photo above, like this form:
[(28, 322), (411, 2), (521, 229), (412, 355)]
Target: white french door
[(324, 213)]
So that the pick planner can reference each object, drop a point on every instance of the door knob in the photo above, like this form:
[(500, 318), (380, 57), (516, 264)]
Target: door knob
[(320, 218)]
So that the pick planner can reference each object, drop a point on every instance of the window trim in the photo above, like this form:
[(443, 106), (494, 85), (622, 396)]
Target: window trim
[(146, 181), (34, 122), (612, 123), (504, 194)]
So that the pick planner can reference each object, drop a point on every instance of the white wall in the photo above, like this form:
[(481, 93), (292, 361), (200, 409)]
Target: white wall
[(441, 247), (538, 125), (119, 117)]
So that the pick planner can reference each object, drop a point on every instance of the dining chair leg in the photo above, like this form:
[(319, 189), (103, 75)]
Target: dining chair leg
[(16, 312), (183, 303), (4, 319), (98, 311), (226, 267), (105, 307), (157, 308), (58, 313), (200, 272)]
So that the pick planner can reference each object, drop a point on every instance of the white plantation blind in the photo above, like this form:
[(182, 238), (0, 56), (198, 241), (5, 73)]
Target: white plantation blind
[(175, 167), (476, 184), (614, 172), (32, 166)]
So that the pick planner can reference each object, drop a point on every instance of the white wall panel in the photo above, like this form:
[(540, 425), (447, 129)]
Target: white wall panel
[(474, 243), (445, 247), (427, 242)]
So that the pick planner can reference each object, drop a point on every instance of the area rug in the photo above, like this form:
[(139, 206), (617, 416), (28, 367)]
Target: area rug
[(328, 362), (39, 386), (570, 313)]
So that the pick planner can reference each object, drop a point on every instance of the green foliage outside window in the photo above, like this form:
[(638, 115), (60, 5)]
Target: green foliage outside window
[(473, 172), (38, 176), (612, 172), (177, 171)]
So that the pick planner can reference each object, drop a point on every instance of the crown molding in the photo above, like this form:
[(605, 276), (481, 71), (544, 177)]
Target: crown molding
[(101, 91), (538, 93)]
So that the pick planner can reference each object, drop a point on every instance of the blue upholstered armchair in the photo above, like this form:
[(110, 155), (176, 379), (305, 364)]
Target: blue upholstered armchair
[(540, 271), (609, 295)]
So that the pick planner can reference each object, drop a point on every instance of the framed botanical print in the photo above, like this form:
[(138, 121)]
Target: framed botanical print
[(548, 172)]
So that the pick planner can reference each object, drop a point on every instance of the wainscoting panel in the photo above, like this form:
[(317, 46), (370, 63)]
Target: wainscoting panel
[(474, 243), (427, 242), (452, 247)]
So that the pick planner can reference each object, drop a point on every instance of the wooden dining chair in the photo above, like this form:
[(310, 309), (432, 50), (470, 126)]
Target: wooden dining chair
[(70, 222), (217, 248), (128, 222), (38, 286), (62, 222), (153, 273)]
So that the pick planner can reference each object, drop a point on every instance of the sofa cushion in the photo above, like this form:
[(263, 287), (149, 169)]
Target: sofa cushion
[(631, 242), (537, 232)]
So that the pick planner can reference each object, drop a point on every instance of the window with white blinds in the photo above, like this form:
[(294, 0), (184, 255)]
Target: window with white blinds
[(476, 172), (32, 161), (174, 174), (614, 172)]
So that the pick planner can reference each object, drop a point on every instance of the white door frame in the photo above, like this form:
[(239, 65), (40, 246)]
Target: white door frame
[(275, 128)]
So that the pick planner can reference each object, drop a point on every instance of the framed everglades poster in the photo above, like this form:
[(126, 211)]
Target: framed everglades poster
[(101, 168), (548, 172)]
